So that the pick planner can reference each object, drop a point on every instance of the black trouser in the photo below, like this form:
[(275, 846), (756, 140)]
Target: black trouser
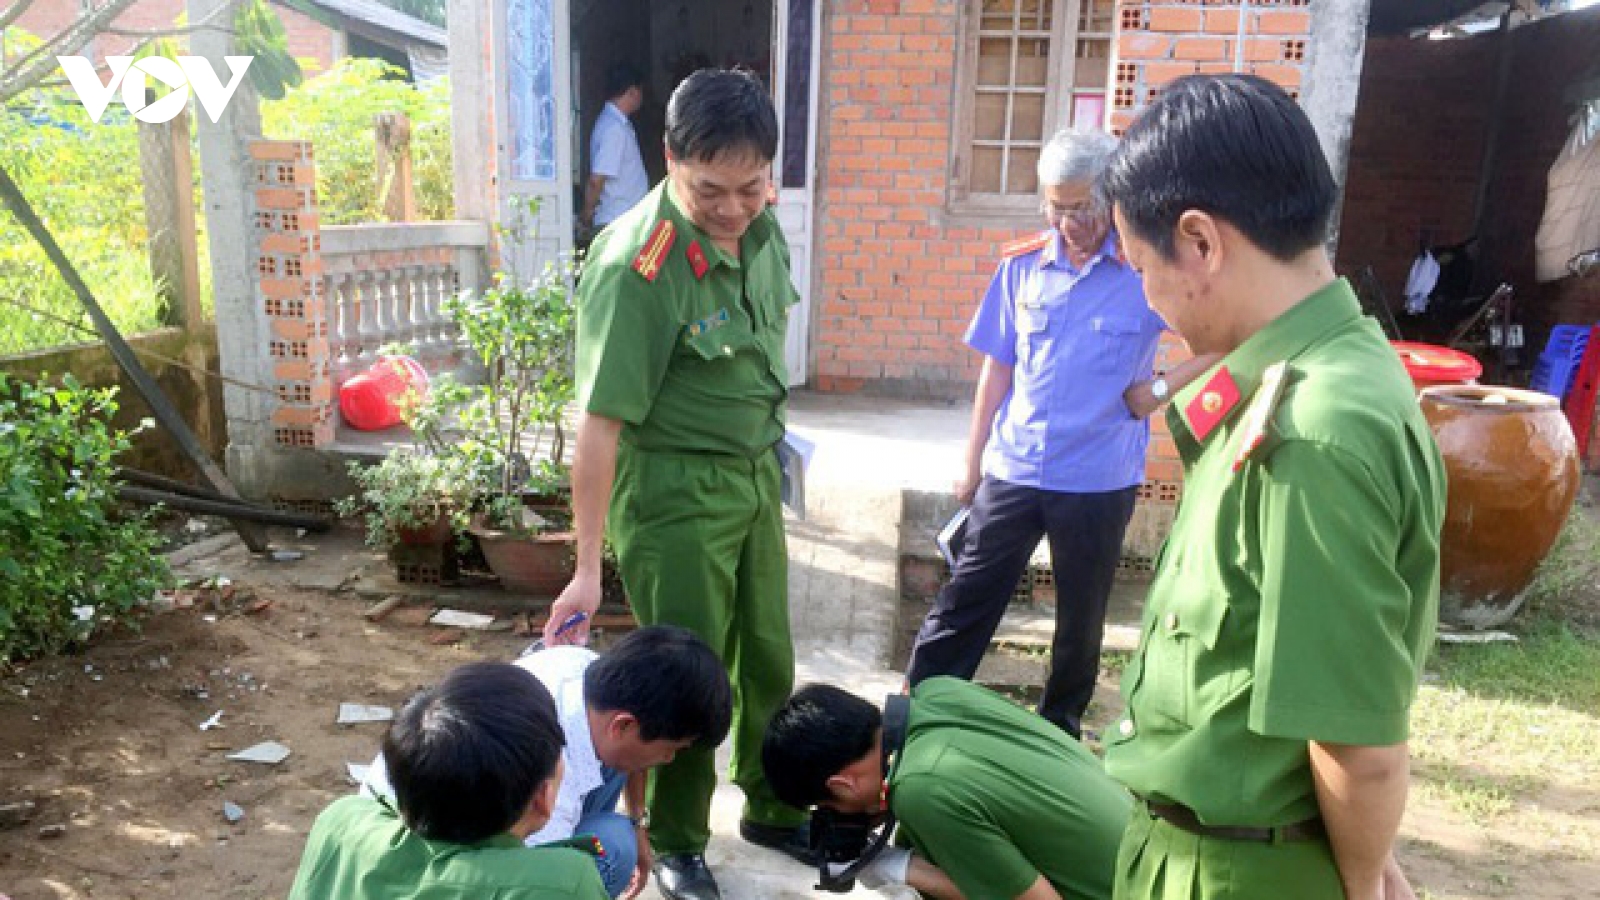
[(1005, 525)]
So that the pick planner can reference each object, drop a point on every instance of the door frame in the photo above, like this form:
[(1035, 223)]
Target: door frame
[(798, 343)]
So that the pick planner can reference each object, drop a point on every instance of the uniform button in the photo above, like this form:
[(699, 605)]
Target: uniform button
[(1172, 621), (726, 350), (1125, 727)]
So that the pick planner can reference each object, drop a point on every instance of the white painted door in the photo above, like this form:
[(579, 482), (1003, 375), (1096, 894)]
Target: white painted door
[(535, 152), (796, 46)]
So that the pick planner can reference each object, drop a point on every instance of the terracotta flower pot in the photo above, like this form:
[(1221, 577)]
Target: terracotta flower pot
[(1513, 473), (436, 532), (540, 564)]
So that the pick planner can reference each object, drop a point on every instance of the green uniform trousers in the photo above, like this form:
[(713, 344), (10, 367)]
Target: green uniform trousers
[(699, 541), (1159, 861)]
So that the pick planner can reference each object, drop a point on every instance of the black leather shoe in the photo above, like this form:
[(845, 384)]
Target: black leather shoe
[(793, 841), (684, 876)]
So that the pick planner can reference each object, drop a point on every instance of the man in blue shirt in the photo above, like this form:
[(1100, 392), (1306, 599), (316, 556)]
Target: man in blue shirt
[(617, 178), (1057, 442)]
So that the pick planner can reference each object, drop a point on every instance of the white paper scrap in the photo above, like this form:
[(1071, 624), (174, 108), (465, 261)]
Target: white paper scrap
[(458, 619), (357, 713), (269, 752)]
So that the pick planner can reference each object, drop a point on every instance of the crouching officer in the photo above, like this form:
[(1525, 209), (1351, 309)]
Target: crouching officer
[(994, 801), (681, 382)]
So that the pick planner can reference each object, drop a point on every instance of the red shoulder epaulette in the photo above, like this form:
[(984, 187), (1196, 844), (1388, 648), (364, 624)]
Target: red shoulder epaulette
[(1027, 245), (654, 252)]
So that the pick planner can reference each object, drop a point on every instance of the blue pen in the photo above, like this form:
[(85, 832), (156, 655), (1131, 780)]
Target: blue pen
[(571, 623)]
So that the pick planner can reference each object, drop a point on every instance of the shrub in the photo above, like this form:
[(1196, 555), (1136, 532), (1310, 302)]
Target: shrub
[(68, 559), (335, 111), (83, 180)]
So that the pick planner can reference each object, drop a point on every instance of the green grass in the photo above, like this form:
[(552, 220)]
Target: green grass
[(1498, 725)]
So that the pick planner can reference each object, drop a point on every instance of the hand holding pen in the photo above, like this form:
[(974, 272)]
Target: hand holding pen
[(567, 625)]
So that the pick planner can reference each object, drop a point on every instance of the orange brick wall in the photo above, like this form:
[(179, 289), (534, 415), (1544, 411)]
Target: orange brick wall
[(898, 276), (1158, 42), (897, 281)]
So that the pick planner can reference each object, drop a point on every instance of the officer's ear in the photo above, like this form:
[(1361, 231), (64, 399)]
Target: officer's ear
[(841, 786), (1199, 244)]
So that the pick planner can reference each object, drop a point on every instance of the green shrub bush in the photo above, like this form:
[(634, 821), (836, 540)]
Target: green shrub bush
[(335, 111), (69, 559), (83, 180)]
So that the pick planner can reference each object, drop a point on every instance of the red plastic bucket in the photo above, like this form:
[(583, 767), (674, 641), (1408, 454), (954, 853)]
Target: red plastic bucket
[(1431, 364), (371, 401)]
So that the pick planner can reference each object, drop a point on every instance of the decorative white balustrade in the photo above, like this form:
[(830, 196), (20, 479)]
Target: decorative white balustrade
[(386, 284)]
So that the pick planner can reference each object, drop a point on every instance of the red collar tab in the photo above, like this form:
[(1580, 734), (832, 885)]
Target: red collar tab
[(697, 260), (1211, 404)]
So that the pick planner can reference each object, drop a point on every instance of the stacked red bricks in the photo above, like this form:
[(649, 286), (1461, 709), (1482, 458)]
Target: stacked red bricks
[(1158, 42), (291, 288)]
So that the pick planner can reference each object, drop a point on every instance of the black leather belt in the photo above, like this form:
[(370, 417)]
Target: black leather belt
[(1183, 817)]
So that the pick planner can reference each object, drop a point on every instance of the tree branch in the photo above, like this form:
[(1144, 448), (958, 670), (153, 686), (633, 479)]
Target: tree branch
[(13, 13), (31, 70)]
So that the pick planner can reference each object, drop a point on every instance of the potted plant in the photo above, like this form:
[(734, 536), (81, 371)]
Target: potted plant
[(410, 498), (509, 431)]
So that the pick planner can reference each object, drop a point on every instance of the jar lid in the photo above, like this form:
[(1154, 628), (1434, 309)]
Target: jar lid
[(1431, 362)]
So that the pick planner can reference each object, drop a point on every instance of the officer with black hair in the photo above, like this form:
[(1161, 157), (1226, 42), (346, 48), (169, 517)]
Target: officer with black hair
[(993, 801)]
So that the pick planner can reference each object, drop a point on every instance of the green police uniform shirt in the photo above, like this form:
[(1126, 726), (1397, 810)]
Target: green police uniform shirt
[(681, 341), (1295, 599), (996, 796), (359, 849)]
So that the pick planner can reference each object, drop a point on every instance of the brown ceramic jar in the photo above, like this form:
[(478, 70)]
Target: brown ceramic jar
[(1513, 473)]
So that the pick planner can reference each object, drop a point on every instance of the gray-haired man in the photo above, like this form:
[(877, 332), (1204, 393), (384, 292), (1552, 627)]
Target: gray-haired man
[(1057, 442)]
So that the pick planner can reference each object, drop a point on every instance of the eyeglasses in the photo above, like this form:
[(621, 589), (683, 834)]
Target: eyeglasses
[(1086, 213)]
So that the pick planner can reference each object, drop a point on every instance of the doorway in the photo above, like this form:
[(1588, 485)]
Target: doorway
[(666, 40)]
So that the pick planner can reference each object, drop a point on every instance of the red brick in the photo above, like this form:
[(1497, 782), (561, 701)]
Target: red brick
[(1157, 74), (1172, 19), (1206, 48), (1284, 21), (1287, 77), (1135, 46), (1263, 50), (1222, 21)]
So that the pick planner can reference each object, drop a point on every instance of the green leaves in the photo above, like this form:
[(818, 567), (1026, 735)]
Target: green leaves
[(335, 110), (63, 542)]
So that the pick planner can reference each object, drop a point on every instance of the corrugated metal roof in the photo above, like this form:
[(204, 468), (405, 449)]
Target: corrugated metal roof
[(379, 16)]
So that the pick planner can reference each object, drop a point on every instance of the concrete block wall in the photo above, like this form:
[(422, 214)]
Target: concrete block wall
[(1158, 42), (292, 289)]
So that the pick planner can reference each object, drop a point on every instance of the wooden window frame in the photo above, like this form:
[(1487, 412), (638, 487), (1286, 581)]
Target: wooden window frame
[(1061, 68)]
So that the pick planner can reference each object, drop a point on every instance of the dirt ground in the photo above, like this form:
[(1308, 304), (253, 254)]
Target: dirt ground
[(108, 745)]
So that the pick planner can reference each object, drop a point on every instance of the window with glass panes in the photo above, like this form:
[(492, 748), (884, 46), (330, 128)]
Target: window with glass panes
[(1028, 68)]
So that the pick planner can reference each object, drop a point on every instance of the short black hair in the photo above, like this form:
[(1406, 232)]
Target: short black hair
[(667, 678), (1235, 146), (716, 113), (621, 76), (466, 756), (812, 738)]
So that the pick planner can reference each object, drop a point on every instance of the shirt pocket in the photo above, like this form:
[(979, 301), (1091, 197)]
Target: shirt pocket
[(1033, 329), (1181, 635), (724, 341), (1117, 339)]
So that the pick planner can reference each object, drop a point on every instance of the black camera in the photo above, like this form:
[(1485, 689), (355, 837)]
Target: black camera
[(848, 839)]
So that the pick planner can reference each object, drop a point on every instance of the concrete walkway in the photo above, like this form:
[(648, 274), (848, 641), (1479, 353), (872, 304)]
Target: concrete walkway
[(843, 573)]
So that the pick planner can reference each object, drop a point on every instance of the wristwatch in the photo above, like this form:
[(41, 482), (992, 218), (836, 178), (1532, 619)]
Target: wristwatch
[(1159, 388), (642, 820)]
